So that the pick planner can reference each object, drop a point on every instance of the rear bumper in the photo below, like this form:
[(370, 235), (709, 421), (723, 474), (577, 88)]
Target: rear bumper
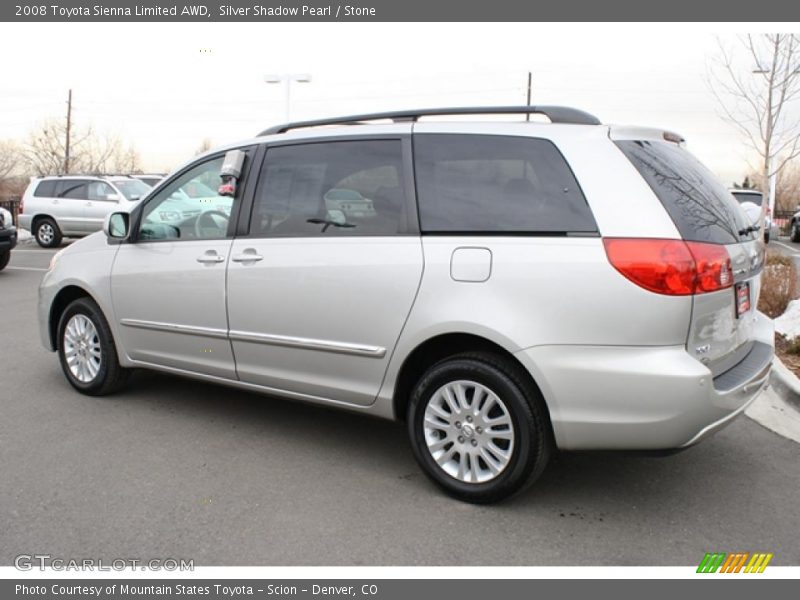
[(24, 221), (644, 398)]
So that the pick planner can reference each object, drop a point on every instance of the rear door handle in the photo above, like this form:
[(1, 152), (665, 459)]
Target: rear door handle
[(210, 257), (248, 255)]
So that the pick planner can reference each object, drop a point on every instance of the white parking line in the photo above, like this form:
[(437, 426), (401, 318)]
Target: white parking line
[(25, 269), (789, 248)]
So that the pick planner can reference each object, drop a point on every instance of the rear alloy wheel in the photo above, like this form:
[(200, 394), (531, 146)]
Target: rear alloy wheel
[(478, 428), (47, 233), (86, 350)]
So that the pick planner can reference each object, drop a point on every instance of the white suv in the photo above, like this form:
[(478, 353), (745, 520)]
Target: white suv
[(514, 287), (75, 205)]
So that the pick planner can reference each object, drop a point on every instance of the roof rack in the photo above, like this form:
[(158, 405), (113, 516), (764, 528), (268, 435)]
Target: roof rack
[(556, 114)]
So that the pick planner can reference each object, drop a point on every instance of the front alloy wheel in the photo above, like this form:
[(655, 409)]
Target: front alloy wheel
[(87, 351), (82, 349), (47, 233), (479, 427)]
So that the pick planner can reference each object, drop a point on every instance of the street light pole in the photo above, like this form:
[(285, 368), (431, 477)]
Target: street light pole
[(287, 80)]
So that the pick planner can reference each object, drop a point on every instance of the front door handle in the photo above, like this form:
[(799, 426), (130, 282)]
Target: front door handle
[(210, 257), (249, 255)]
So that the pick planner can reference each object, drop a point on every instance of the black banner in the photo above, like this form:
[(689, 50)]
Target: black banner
[(712, 586), (405, 10)]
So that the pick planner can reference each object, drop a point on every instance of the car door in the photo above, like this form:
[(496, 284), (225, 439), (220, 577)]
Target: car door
[(69, 206), (102, 199), (168, 284), (318, 293)]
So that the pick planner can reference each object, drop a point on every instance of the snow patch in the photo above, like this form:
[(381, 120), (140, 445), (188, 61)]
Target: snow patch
[(23, 235), (788, 323)]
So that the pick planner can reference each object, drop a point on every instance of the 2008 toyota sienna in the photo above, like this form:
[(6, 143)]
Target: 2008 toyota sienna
[(505, 288)]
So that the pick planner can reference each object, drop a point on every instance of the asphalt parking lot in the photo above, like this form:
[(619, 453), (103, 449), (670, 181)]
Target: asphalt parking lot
[(180, 469)]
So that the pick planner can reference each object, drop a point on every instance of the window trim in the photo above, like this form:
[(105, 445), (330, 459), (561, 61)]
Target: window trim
[(500, 233), (409, 228)]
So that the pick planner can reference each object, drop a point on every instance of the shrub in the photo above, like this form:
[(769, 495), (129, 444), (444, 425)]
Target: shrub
[(778, 285)]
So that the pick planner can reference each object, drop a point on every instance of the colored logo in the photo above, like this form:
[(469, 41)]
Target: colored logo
[(737, 562)]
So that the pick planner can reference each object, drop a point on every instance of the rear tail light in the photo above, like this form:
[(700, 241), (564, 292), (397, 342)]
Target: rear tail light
[(21, 206), (671, 267)]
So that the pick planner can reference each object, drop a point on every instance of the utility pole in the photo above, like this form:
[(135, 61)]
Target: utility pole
[(287, 80), (69, 127), (528, 115)]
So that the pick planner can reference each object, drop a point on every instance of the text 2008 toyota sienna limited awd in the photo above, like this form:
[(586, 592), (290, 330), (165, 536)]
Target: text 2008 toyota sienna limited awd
[(505, 288)]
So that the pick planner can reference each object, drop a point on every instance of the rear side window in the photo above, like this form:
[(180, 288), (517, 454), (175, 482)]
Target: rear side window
[(700, 206), (497, 184), (76, 189), (45, 189)]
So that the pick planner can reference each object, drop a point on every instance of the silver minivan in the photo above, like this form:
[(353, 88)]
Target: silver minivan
[(514, 287)]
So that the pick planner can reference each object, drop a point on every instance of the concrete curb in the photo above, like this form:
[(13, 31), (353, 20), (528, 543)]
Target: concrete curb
[(785, 383), (778, 407)]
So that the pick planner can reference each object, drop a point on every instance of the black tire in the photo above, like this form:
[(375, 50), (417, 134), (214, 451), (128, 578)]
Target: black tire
[(526, 408), (766, 237), (110, 376), (4, 258), (795, 233), (47, 233)]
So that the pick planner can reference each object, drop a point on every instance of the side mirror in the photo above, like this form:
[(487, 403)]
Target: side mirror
[(117, 225), (230, 172)]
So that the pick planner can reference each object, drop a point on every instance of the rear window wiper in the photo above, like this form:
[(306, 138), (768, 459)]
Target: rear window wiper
[(747, 230), (327, 223)]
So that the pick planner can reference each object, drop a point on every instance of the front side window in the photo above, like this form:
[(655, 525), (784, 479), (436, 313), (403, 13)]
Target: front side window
[(496, 184), (175, 214), (331, 188), (100, 190), (132, 189)]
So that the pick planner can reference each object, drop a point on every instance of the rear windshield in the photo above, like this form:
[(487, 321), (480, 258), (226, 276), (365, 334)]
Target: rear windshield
[(700, 206), (755, 198)]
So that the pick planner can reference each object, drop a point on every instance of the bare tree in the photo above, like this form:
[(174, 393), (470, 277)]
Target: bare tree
[(757, 94), (204, 146), (787, 186), (90, 152), (9, 158)]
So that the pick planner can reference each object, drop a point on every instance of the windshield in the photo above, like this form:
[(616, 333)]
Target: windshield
[(133, 189), (754, 197)]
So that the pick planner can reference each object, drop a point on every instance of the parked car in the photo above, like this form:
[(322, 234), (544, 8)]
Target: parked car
[(518, 287), (752, 203), (349, 201), (8, 237), (150, 179), (75, 205), (794, 226)]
